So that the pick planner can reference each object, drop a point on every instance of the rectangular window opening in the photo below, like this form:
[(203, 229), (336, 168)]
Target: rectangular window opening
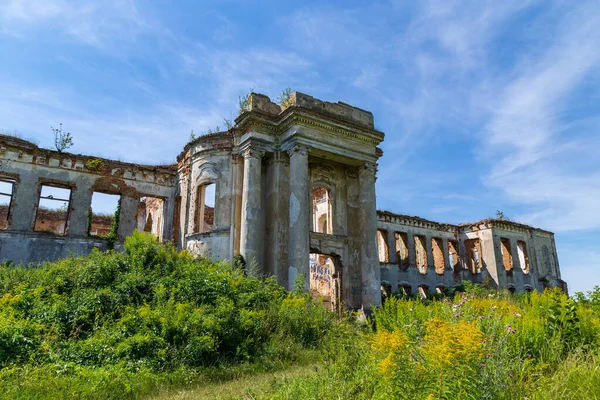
[(507, 258), (103, 215), (322, 210), (205, 208), (402, 250), (523, 258), (384, 251), (7, 186), (150, 216), (473, 247), (453, 255), (437, 248), (421, 253), (53, 210)]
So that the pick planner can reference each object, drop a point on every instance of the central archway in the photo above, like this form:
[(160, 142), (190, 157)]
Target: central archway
[(326, 271)]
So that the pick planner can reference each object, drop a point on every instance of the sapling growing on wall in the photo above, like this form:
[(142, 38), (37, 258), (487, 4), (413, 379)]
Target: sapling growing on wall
[(62, 140), (285, 98)]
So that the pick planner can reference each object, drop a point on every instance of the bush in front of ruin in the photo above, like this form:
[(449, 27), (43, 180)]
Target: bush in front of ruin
[(149, 308)]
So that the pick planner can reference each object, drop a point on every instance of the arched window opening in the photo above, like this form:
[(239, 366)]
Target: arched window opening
[(402, 250), (507, 258), (384, 251), (323, 278), (523, 258), (453, 255), (322, 210), (437, 248), (205, 208), (473, 247), (405, 290), (149, 217), (421, 253)]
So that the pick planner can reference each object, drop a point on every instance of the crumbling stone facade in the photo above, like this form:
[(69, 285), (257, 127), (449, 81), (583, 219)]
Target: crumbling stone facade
[(290, 188), (493, 252)]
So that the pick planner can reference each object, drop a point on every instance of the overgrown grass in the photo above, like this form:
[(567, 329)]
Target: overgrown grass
[(477, 345), (113, 325), (155, 322)]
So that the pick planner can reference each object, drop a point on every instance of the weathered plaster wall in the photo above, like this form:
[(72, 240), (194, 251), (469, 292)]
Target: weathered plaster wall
[(33, 167), (485, 236), (264, 171)]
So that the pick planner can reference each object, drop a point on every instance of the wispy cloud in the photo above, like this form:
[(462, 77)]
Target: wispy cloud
[(88, 22), (531, 140)]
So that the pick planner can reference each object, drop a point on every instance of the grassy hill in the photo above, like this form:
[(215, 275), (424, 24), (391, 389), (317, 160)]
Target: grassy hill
[(154, 323)]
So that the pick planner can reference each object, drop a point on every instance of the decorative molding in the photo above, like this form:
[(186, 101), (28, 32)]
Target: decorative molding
[(251, 152), (208, 173), (369, 167), (299, 149), (237, 158)]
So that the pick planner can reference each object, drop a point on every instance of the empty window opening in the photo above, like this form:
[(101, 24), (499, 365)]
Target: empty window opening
[(421, 254), (402, 250), (7, 187), (437, 249), (423, 291), (453, 255), (150, 216), (386, 290), (405, 290), (322, 216), (53, 210), (104, 215), (523, 258), (384, 251), (473, 247), (205, 208), (507, 258)]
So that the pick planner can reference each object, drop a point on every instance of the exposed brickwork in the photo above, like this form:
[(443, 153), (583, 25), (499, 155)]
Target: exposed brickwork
[(402, 254), (507, 258), (437, 248)]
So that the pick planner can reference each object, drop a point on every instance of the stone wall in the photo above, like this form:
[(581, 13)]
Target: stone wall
[(288, 182), (474, 252), (34, 234)]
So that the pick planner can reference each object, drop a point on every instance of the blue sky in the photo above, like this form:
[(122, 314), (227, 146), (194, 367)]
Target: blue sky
[(486, 105)]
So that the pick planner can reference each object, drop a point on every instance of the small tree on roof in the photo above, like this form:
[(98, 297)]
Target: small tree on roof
[(62, 140)]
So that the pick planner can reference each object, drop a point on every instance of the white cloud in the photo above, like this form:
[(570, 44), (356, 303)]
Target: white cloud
[(536, 157), (94, 23)]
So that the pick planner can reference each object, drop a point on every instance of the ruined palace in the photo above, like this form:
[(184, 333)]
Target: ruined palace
[(290, 188)]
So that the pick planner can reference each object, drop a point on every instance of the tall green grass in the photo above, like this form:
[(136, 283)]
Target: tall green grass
[(477, 345), (114, 325)]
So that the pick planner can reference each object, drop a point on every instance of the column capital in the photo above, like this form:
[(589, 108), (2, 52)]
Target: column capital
[(298, 149), (368, 168), (237, 158), (252, 153)]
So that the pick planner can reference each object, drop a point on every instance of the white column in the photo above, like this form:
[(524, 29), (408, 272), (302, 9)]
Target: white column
[(299, 233), (250, 243), (370, 268)]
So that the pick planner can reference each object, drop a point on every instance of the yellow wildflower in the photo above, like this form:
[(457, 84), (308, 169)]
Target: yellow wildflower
[(448, 344)]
